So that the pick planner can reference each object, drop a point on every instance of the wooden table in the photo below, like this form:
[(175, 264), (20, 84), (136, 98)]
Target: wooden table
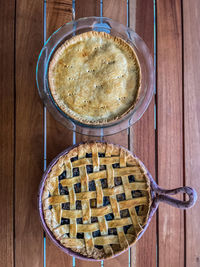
[(167, 138)]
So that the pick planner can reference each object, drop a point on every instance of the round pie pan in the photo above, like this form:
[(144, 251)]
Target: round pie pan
[(114, 28), (157, 195)]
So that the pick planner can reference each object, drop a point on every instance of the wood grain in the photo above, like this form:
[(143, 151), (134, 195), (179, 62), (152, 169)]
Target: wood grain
[(29, 140), (7, 21), (58, 137), (58, 13), (191, 14), (86, 9), (143, 132), (117, 10), (170, 128)]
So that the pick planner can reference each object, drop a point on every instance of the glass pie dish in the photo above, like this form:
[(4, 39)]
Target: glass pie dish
[(113, 28)]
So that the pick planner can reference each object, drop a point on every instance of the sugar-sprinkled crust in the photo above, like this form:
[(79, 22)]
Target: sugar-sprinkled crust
[(95, 78), (96, 199)]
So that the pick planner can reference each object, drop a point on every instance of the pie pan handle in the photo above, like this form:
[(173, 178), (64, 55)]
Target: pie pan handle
[(163, 195)]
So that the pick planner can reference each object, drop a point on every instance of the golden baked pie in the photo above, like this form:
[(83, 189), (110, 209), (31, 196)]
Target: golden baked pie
[(94, 78), (96, 199)]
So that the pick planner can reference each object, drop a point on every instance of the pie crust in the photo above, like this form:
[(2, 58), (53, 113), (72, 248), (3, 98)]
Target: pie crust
[(95, 78), (96, 199)]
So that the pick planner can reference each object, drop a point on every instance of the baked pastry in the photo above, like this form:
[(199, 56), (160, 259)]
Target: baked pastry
[(94, 78), (96, 199)]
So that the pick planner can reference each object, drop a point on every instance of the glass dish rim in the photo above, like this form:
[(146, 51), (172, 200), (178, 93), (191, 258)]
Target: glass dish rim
[(127, 117)]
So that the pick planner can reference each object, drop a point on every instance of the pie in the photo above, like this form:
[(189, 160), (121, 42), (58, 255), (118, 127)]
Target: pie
[(96, 199), (94, 78)]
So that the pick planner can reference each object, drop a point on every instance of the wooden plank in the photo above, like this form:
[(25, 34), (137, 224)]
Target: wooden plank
[(58, 137), (29, 141), (191, 13), (57, 14), (117, 10), (7, 21), (86, 9), (142, 133), (170, 128)]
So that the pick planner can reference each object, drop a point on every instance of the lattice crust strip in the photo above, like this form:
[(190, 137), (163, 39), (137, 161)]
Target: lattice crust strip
[(96, 199)]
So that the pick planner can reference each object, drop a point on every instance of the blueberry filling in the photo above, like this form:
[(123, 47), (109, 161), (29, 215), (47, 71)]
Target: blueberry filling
[(118, 181), (102, 167), (74, 159), (78, 205), (96, 233), (112, 231), (79, 220), (80, 235), (131, 178), (89, 168), (64, 221), (63, 190), (121, 197), (126, 227), (66, 206), (116, 165), (88, 155), (62, 176), (101, 155), (77, 188), (92, 186), (106, 201), (104, 183), (94, 219), (109, 217), (75, 172), (136, 193), (98, 247), (137, 209), (50, 207), (124, 213)]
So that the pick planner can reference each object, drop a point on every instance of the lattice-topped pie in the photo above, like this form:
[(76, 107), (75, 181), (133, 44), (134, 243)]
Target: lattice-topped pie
[(96, 199), (94, 78)]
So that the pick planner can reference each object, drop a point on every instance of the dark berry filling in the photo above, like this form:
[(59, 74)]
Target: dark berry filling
[(77, 188), (89, 168), (104, 183), (64, 221), (92, 186), (96, 233), (121, 197), (78, 205), (106, 201), (118, 181), (76, 172), (131, 178), (66, 206), (74, 159), (116, 165), (62, 176), (109, 217), (112, 231)]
